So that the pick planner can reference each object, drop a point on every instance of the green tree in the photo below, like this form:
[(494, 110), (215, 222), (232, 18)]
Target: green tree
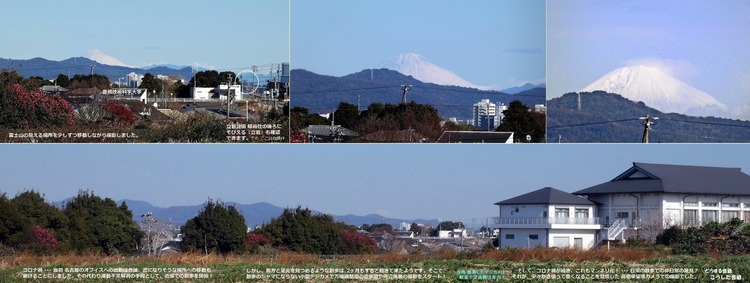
[(218, 227), (399, 123), (211, 78), (378, 227), (301, 231), (101, 225), (36, 211), (416, 228), (63, 80), (346, 115), (11, 224), (301, 118), (151, 83), (521, 121), (89, 81)]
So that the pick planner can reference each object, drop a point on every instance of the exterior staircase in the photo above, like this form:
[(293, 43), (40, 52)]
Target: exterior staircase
[(616, 229)]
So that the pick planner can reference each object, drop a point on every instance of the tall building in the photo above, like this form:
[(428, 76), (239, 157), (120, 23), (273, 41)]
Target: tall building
[(487, 115)]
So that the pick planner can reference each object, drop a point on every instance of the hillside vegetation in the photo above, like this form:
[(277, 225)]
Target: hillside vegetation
[(610, 118)]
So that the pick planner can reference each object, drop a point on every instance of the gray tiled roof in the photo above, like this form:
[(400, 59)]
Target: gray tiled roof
[(647, 177), (326, 130), (547, 195), (474, 137)]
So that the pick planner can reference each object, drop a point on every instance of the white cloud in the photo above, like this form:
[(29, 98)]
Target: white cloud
[(99, 56)]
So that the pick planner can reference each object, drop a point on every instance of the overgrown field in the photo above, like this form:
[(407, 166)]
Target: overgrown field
[(551, 265)]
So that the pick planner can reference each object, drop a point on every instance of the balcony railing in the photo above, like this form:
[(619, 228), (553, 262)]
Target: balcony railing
[(546, 220)]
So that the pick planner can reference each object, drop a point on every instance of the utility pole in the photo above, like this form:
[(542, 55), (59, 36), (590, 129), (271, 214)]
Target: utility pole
[(229, 82), (647, 126), (579, 101), (406, 89)]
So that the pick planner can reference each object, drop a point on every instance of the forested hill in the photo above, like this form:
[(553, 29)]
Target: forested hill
[(322, 94), (611, 118)]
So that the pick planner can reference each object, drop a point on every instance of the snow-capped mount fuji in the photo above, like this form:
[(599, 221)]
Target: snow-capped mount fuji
[(658, 90), (415, 65)]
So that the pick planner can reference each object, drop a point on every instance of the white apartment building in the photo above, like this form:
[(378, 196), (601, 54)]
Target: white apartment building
[(487, 115)]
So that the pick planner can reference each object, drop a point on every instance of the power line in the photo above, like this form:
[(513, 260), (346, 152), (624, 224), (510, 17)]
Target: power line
[(708, 123), (593, 123), (344, 90)]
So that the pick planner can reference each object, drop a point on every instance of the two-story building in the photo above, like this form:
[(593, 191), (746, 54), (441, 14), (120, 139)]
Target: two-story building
[(547, 217), (640, 202)]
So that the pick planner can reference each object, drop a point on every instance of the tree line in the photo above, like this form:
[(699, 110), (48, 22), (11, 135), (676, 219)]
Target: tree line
[(388, 122), (85, 223), (89, 223)]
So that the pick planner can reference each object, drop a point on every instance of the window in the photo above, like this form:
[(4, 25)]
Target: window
[(724, 204), (578, 242), (582, 213), (562, 212), (510, 236), (709, 204), (691, 217), (728, 215), (690, 203), (534, 237), (621, 215), (709, 216)]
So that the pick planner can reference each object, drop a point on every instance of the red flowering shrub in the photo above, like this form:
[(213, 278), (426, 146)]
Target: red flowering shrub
[(298, 138), (44, 239), (120, 115), (254, 241), (33, 109), (358, 243)]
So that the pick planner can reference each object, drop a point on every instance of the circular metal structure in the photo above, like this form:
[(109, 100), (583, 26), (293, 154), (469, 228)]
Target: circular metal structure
[(248, 84)]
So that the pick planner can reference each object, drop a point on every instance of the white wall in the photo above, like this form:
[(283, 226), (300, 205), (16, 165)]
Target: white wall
[(201, 92), (521, 238), (588, 237)]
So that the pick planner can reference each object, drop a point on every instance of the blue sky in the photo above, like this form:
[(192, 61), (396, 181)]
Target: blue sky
[(458, 182), (703, 43), (214, 34), (486, 42)]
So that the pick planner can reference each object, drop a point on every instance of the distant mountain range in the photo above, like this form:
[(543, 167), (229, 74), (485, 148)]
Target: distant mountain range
[(524, 87), (322, 94), (49, 69), (255, 214), (611, 118)]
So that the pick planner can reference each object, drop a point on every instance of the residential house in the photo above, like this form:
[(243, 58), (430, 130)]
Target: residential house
[(547, 217), (329, 133)]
